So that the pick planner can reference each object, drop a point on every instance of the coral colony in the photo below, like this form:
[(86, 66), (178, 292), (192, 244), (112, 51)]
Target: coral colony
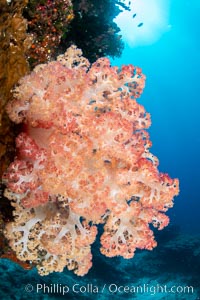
[(47, 22), (83, 160)]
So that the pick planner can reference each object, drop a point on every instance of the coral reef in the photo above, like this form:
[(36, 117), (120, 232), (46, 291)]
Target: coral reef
[(83, 160), (14, 43), (93, 29), (47, 22)]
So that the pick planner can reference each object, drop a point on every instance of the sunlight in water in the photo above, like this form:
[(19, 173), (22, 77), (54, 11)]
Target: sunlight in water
[(145, 23)]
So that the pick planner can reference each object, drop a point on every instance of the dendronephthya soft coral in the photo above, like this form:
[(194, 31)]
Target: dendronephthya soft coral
[(83, 160)]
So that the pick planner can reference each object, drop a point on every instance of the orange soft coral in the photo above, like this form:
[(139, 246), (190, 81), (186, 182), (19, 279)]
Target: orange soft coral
[(84, 160)]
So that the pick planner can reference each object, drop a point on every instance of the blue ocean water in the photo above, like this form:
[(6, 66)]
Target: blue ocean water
[(172, 67), (171, 95)]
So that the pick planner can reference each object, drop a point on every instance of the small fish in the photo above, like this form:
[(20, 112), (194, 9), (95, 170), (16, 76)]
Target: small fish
[(134, 15), (139, 25)]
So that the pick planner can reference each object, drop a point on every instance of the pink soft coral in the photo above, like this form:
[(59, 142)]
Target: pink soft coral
[(83, 160)]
